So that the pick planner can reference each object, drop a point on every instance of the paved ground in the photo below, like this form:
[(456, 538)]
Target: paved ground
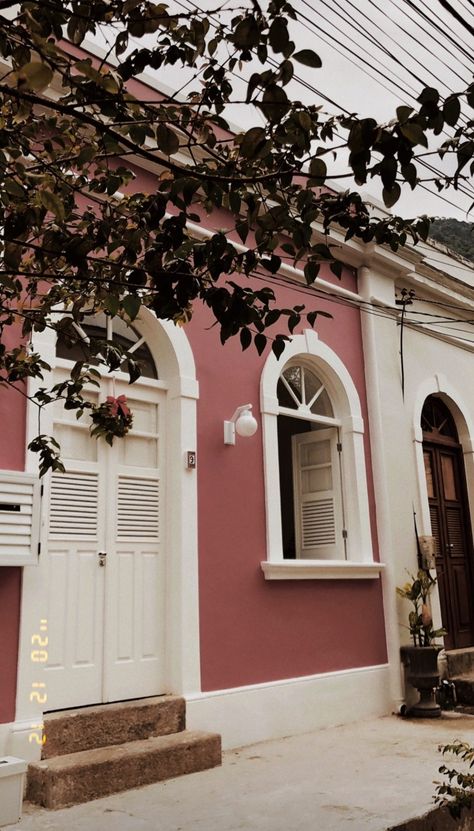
[(367, 776)]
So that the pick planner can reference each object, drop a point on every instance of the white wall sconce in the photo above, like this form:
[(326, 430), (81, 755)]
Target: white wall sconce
[(242, 422)]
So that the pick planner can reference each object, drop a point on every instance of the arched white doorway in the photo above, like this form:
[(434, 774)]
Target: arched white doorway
[(136, 633)]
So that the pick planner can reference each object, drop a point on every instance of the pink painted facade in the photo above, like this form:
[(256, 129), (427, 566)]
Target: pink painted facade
[(253, 631)]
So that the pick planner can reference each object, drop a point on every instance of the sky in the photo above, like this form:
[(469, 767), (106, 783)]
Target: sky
[(376, 54)]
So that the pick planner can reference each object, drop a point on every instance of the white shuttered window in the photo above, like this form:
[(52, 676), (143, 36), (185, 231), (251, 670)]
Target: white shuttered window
[(311, 494), (317, 495)]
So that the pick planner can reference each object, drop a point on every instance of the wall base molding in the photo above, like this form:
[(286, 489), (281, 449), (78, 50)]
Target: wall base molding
[(244, 715)]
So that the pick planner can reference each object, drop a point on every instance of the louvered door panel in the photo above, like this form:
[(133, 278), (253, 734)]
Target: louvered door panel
[(455, 532), (435, 529), (138, 508), (318, 523), (74, 505)]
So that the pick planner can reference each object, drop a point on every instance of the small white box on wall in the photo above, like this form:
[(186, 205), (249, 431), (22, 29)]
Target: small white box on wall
[(19, 518), (12, 775)]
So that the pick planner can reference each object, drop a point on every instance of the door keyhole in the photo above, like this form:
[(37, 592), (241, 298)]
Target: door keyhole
[(102, 555)]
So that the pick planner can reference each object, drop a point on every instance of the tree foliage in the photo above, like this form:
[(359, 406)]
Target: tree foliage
[(78, 233), (456, 235)]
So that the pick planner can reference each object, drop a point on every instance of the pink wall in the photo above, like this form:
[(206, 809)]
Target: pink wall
[(12, 457), (10, 597), (253, 630)]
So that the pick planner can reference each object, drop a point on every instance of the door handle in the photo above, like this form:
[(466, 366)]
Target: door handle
[(449, 546), (102, 555)]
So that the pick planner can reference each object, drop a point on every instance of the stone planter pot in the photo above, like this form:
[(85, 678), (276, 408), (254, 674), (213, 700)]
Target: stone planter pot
[(12, 775), (421, 671)]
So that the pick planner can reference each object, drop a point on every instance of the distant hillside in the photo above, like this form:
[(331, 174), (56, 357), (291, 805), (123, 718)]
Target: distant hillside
[(456, 235)]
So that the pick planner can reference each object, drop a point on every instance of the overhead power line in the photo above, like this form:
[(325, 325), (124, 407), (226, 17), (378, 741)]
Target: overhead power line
[(461, 20)]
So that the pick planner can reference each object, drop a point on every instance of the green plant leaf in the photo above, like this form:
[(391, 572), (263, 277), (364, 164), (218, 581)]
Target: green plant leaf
[(36, 76), (308, 58)]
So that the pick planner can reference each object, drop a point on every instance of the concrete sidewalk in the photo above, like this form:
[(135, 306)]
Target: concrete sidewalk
[(367, 776)]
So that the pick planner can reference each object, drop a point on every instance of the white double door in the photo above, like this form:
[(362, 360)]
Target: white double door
[(104, 558)]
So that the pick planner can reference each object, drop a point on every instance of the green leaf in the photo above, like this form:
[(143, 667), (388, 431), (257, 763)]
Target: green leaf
[(278, 347), (308, 58), (293, 322), (404, 113), (111, 304), (86, 155), (35, 76), (274, 104), (414, 133), (242, 229), (429, 95), (470, 95), (410, 174), (391, 195), (336, 268), (278, 35), (14, 188), (451, 110), (53, 203), (272, 316), (167, 140), (311, 271), (260, 342), (131, 305), (318, 171), (245, 338), (247, 33), (252, 140)]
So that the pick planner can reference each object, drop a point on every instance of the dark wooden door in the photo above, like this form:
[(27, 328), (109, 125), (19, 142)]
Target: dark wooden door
[(450, 524)]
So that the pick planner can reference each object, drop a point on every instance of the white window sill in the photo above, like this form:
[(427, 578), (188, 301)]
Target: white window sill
[(320, 570)]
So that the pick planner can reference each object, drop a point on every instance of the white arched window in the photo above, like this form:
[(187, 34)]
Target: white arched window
[(318, 523)]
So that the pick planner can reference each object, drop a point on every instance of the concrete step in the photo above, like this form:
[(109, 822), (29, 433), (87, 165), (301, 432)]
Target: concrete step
[(85, 728), (464, 688), (460, 661), (90, 774)]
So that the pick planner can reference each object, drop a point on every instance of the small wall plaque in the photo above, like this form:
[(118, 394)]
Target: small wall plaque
[(191, 459)]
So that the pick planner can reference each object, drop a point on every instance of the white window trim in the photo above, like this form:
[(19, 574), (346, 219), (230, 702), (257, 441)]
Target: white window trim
[(360, 562)]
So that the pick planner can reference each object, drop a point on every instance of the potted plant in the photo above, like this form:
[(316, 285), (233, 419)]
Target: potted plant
[(421, 659)]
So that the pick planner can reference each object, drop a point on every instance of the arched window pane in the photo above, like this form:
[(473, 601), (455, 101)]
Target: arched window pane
[(73, 346), (437, 421), (299, 387)]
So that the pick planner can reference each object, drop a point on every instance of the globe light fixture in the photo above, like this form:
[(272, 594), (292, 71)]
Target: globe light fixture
[(242, 422)]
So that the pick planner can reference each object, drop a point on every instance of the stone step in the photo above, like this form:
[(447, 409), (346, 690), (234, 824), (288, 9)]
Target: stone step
[(460, 661), (85, 728), (90, 774), (464, 688)]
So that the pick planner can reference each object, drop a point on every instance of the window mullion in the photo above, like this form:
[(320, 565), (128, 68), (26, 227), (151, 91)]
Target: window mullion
[(295, 399)]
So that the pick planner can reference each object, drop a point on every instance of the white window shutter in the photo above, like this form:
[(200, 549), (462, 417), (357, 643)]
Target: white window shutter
[(19, 519), (317, 495)]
